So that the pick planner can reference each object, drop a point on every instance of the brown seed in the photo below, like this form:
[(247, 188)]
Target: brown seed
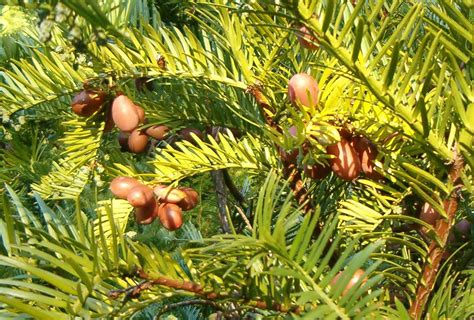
[(123, 141), (171, 216), (186, 134), (121, 186), (140, 196), (317, 171), (169, 194), (367, 152), (109, 122), (191, 199), (346, 163), (463, 227), (124, 113), (141, 113), (429, 215), (137, 141), (87, 102), (307, 40), (304, 89), (146, 214), (353, 281), (158, 132)]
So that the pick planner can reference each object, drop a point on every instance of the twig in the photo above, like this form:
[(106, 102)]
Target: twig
[(244, 217), (436, 250), (189, 286), (232, 188), (218, 179)]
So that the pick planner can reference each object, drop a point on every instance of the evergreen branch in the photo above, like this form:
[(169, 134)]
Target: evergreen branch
[(437, 248), (232, 188), (192, 287), (219, 185), (187, 159)]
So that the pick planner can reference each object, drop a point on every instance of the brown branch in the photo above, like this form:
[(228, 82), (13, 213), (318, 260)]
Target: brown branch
[(189, 286), (437, 249), (232, 188), (219, 184)]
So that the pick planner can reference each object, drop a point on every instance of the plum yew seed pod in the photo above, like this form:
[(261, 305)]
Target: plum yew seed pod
[(171, 216), (303, 89), (140, 196), (124, 113), (168, 194), (121, 186), (146, 214), (346, 163)]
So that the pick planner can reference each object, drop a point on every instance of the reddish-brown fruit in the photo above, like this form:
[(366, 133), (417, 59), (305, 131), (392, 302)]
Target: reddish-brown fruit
[(123, 141), (307, 40), (186, 134), (137, 141), (169, 194), (317, 171), (462, 229), (140, 196), (109, 122), (141, 113), (367, 152), (429, 215), (157, 132), (345, 134), (121, 186), (304, 89), (356, 277), (191, 199), (146, 214), (87, 102), (346, 163), (124, 113), (289, 156), (171, 216)]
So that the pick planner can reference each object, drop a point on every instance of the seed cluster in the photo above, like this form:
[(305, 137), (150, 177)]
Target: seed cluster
[(162, 202)]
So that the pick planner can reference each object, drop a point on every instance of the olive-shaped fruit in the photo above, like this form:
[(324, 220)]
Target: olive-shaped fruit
[(307, 40), (109, 122), (429, 215), (367, 152), (171, 216), (169, 194), (317, 171), (121, 186), (191, 199), (346, 163), (124, 113), (186, 134), (87, 102), (140, 196), (158, 132), (304, 89), (146, 214), (137, 141), (356, 277), (123, 141), (463, 227), (141, 113)]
